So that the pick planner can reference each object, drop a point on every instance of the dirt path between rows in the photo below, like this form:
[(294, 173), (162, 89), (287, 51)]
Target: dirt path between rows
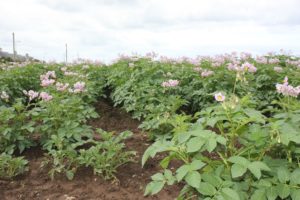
[(36, 184)]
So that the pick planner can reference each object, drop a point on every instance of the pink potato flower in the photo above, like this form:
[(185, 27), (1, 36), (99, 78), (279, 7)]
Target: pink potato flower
[(45, 96), (61, 87), (66, 73), (278, 69), (286, 89), (45, 78), (207, 73), (170, 83), (233, 67), (249, 67), (47, 82), (51, 74), (219, 97), (197, 69), (31, 94), (79, 87)]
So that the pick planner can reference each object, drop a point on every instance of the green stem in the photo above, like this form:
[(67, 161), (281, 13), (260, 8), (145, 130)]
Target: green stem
[(235, 83), (245, 149)]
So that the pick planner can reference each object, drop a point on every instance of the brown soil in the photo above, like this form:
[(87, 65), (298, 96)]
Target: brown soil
[(132, 179)]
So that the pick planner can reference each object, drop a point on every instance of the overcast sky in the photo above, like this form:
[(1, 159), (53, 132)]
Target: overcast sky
[(101, 29)]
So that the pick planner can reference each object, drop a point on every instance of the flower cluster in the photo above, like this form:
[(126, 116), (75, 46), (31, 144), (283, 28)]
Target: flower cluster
[(64, 69), (207, 73), (78, 87), (286, 89), (233, 67), (248, 67), (245, 67), (151, 55), (194, 61), (4, 96), (261, 60), (197, 69), (278, 69), (46, 78), (274, 61), (294, 63), (61, 87), (66, 73), (170, 83), (47, 82), (245, 55), (31, 94), (85, 66), (45, 96)]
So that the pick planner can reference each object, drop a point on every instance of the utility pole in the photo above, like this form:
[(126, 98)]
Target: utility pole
[(14, 46), (66, 53)]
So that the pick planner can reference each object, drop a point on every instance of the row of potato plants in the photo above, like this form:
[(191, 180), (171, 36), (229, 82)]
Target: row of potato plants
[(233, 122), (48, 106)]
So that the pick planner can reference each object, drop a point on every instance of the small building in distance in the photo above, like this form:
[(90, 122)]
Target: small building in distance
[(18, 58)]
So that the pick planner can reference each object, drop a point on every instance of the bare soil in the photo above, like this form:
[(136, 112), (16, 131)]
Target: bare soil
[(132, 178)]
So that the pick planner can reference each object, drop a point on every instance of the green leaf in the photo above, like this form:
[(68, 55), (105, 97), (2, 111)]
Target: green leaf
[(158, 177), (239, 160), (70, 175), (211, 144), (193, 178), (283, 174), (194, 144), (165, 162), (238, 170), (255, 115), (149, 152), (256, 167), (212, 121), (182, 171), (263, 166), (295, 194), (212, 179), (259, 195), (169, 176), (221, 140), (295, 177), (158, 146), (286, 138), (206, 189), (197, 164), (264, 183), (283, 190), (183, 137), (21, 147), (288, 133), (30, 129), (154, 187), (255, 171), (229, 194), (272, 193)]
